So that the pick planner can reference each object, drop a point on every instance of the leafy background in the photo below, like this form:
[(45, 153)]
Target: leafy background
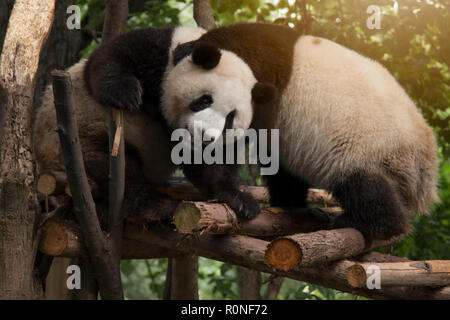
[(413, 44)]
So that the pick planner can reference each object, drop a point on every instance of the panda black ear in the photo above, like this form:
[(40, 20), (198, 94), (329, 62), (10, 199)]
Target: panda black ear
[(263, 93), (181, 51), (206, 55)]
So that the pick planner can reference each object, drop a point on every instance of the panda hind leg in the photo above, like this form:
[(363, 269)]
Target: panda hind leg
[(286, 190), (371, 205)]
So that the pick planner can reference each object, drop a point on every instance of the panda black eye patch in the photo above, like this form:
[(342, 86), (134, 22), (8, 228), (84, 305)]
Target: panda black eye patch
[(199, 104)]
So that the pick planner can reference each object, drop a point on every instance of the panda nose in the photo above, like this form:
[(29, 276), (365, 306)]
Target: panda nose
[(229, 119)]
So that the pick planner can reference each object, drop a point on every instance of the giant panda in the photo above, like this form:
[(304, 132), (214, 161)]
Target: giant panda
[(136, 65), (345, 124)]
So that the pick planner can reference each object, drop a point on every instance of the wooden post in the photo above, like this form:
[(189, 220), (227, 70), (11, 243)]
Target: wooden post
[(115, 22), (184, 278)]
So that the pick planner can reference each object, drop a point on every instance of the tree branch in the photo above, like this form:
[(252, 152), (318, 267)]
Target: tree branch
[(203, 14), (99, 249)]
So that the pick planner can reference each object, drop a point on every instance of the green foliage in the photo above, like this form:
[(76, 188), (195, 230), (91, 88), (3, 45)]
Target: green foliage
[(143, 279)]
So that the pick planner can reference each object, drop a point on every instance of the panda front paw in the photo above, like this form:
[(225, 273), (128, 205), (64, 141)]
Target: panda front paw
[(245, 206), (125, 94)]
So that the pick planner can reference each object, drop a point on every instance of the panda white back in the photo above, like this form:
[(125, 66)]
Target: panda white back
[(353, 113)]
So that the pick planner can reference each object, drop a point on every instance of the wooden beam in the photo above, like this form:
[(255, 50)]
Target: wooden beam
[(411, 273), (249, 252), (218, 218), (63, 238), (180, 189)]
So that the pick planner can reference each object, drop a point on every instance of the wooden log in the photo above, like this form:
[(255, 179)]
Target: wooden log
[(218, 218), (416, 273), (63, 238), (51, 183), (249, 252), (302, 250), (180, 189)]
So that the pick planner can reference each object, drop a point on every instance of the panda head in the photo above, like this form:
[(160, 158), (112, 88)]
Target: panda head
[(211, 90)]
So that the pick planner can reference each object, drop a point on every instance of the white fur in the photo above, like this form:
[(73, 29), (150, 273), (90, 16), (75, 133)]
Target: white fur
[(341, 111), (230, 84)]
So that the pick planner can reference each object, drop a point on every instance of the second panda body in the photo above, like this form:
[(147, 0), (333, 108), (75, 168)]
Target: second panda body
[(147, 135), (129, 72), (345, 125)]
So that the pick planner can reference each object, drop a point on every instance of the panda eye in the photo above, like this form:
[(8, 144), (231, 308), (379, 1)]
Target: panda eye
[(199, 104)]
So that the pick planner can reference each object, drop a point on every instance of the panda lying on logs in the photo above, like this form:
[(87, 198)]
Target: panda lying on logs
[(129, 73), (345, 124)]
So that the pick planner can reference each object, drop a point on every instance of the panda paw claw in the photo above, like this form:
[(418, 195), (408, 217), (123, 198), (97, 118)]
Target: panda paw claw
[(245, 206), (125, 94)]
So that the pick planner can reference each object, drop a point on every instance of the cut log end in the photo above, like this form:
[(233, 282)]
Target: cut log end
[(186, 217), (54, 239), (356, 276), (283, 254), (46, 184)]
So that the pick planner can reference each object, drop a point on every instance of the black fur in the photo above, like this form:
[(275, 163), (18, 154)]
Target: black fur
[(205, 55), (221, 182), (263, 93), (371, 205), (286, 190), (182, 51), (126, 72)]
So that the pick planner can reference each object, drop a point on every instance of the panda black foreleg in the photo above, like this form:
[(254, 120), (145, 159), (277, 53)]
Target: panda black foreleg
[(141, 200), (371, 205), (285, 190), (114, 84), (221, 182)]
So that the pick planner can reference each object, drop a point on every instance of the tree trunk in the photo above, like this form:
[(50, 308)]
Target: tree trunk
[(29, 25), (5, 12), (61, 50)]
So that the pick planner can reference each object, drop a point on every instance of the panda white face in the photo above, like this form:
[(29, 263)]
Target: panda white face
[(208, 92)]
